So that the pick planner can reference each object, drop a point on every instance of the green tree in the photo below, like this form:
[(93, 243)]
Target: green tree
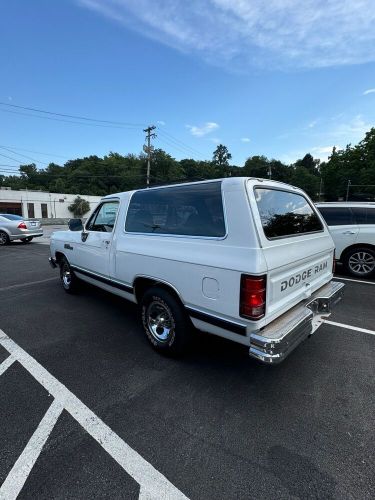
[(79, 207), (220, 159), (309, 163)]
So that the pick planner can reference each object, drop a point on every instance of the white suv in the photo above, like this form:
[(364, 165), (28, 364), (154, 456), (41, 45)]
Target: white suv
[(352, 226), (246, 259)]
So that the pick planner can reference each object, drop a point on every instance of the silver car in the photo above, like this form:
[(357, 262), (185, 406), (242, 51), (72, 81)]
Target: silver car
[(14, 227)]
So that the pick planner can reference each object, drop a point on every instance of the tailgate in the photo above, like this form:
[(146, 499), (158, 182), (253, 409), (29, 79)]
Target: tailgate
[(296, 281), (296, 244)]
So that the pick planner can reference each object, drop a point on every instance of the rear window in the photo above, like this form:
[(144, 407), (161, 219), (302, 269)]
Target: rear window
[(283, 213), (192, 210), (11, 217), (337, 216)]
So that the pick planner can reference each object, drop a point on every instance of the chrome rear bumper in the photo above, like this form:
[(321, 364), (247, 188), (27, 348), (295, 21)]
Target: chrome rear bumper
[(278, 339)]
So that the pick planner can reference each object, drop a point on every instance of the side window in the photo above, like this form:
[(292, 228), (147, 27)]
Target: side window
[(337, 216), (104, 217), (360, 215), (370, 215), (192, 210)]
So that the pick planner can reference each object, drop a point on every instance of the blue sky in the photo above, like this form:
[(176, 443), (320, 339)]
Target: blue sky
[(279, 78)]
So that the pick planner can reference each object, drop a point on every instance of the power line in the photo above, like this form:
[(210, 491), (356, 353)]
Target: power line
[(24, 156), (176, 147), (73, 176), (72, 116), (9, 157), (179, 142), (36, 152), (66, 121)]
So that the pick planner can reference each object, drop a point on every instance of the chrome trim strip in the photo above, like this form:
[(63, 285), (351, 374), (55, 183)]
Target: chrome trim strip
[(216, 321), (103, 279)]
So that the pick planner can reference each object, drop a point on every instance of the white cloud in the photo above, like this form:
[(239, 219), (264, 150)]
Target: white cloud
[(202, 130), (215, 140), (324, 149), (369, 91), (245, 139), (312, 124), (236, 33), (161, 122), (351, 131)]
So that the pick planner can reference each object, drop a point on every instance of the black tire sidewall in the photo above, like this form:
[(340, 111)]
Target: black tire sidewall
[(181, 335), (7, 240), (356, 250)]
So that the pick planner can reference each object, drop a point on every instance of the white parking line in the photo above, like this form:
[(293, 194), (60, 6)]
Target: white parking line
[(349, 327), (6, 364), (355, 281), (20, 285), (16, 478), (152, 483)]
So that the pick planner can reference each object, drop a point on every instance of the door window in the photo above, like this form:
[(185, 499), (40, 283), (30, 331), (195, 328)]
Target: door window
[(104, 217), (337, 216), (364, 215)]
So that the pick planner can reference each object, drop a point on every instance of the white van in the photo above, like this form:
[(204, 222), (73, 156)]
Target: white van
[(246, 259)]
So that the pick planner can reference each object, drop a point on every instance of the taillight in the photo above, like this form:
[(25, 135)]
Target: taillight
[(253, 296), (22, 225)]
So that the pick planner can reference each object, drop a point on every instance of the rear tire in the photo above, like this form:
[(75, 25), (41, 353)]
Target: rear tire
[(4, 238), (165, 322), (360, 262), (27, 240), (69, 280)]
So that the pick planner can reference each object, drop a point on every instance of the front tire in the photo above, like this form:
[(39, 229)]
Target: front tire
[(27, 240), (68, 279), (360, 262), (165, 322), (4, 238)]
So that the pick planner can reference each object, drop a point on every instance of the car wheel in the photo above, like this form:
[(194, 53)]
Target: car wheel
[(27, 240), (4, 238), (360, 262), (69, 280), (165, 322)]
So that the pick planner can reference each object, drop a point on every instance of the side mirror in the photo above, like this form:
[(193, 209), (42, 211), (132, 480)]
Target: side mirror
[(75, 225)]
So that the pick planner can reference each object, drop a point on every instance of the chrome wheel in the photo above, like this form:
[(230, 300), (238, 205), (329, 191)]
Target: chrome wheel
[(160, 321), (362, 262), (66, 276), (3, 238)]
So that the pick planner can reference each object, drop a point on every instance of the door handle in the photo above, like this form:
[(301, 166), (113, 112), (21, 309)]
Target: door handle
[(348, 232)]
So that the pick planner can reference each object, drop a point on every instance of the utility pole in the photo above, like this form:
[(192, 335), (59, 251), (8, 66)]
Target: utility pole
[(269, 171), (347, 189), (148, 149)]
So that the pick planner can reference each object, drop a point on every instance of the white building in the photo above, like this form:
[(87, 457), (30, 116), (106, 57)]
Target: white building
[(40, 204)]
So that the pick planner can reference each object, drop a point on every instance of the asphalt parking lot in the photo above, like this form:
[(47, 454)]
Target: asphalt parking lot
[(88, 410)]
